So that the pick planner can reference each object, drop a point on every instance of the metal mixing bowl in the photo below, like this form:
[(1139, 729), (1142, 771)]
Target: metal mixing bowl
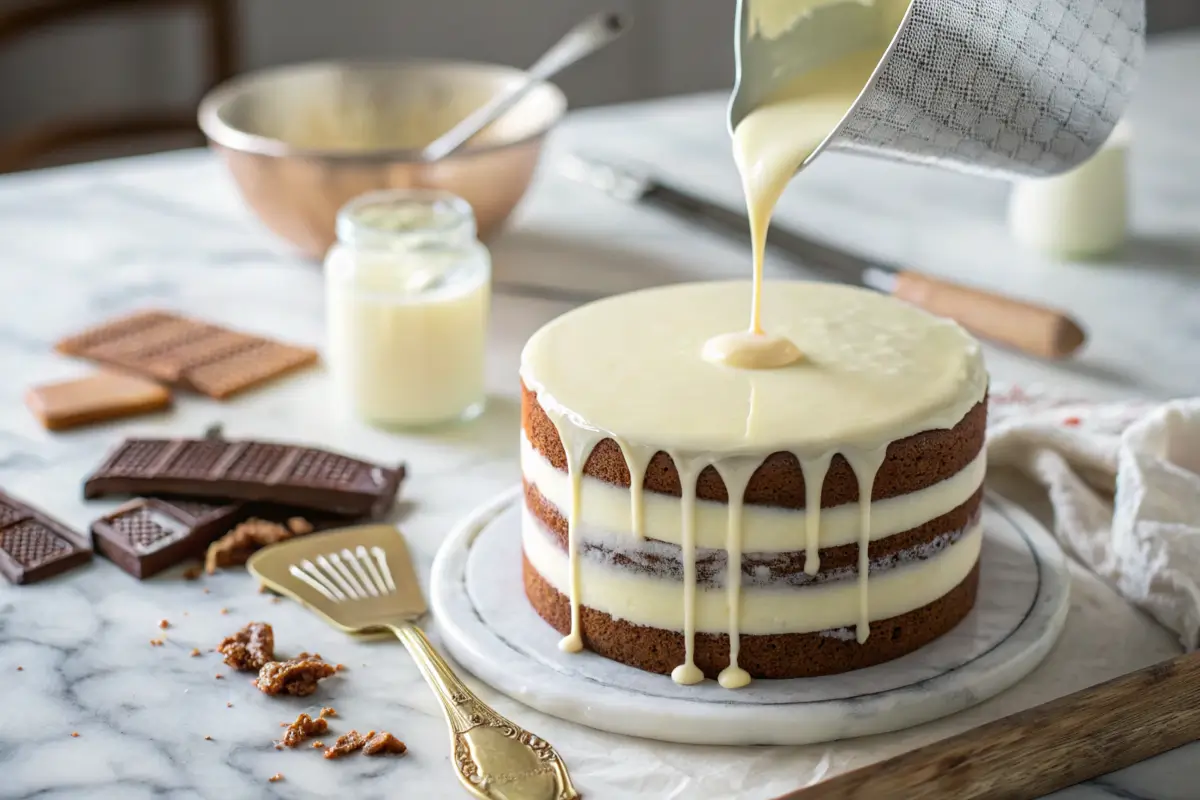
[(302, 140)]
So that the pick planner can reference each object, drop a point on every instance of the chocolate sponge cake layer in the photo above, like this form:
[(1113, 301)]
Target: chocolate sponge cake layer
[(912, 464), (790, 655), (786, 568)]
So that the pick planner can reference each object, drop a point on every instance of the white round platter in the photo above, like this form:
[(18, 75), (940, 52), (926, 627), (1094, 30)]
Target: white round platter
[(478, 600)]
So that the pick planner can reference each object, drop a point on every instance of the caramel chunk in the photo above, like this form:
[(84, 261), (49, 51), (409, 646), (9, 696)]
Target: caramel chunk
[(383, 743), (299, 526), (346, 744), (236, 547), (250, 648), (303, 728), (297, 676)]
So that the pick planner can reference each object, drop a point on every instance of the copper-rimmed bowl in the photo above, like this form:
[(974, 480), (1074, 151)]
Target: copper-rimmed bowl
[(302, 140)]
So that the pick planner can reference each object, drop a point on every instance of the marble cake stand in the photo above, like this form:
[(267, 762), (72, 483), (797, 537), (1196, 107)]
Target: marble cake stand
[(479, 602)]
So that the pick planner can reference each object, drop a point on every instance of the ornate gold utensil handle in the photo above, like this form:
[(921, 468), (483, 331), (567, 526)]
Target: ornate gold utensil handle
[(495, 759)]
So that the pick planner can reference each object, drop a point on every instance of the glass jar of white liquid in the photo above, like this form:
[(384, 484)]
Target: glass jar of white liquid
[(407, 288)]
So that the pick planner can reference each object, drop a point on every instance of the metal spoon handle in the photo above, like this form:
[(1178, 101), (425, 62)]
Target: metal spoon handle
[(495, 758), (584, 39)]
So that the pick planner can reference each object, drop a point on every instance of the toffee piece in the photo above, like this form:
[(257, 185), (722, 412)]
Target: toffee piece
[(297, 676), (346, 744), (383, 743), (250, 649), (304, 728)]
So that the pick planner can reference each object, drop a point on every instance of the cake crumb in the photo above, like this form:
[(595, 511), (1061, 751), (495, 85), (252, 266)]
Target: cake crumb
[(297, 676), (262, 588), (74, 734), (164, 624), (156, 642), (276, 778), (20, 669), (207, 590), (383, 743), (317, 745), (228, 704), (192, 573), (276, 599), (219, 676), (299, 526), (195, 652), (235, 547), (339, 667), (224, 610), (305, 727), (249, 649), (328, 711), (346, 744), (207, 738)]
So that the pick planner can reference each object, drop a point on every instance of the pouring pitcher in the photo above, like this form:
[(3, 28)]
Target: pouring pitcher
[(1001, 87)]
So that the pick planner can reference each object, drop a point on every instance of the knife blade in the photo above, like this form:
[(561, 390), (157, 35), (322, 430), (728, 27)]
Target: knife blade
[(630, 186), (1030, 327)]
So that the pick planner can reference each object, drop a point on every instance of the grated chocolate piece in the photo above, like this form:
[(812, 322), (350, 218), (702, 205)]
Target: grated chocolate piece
[(383, 743), (303, 728), (297, 676), (346, 744), (250, 649)]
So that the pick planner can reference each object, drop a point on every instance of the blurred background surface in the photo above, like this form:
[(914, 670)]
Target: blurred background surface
[(83, 79)]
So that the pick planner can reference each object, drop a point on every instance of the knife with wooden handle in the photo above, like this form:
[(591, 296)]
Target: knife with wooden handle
[(1029, 327), (1042, 749)]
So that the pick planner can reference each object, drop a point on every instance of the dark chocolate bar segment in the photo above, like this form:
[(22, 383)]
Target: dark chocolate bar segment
[(34, 546), (146, 536), (265, 472)]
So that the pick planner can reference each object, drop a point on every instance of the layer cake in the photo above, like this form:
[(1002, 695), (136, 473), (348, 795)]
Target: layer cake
[(700, 520)]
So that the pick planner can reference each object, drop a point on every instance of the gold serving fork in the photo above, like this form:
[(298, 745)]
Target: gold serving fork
[(361, 580)]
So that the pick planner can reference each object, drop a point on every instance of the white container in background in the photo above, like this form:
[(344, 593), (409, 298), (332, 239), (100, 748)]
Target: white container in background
[(1082, 213), (407, 289)]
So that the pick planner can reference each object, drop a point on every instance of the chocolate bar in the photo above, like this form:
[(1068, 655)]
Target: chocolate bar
[(265, 472), (147, 535), (187, 353), (34, 546)]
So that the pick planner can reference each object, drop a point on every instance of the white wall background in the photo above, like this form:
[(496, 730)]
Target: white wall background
[(117, 61)]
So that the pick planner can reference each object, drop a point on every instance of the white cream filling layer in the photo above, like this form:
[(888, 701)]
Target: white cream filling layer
[(766, 529), (648, 600)]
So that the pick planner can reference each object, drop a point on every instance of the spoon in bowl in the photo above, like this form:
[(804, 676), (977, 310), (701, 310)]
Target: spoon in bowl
[(590, 35)]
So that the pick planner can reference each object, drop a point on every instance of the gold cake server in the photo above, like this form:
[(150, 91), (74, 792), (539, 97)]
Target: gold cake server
[(361, 580)]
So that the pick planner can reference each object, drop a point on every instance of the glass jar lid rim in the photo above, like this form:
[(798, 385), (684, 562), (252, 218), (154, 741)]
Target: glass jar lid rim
[(396, 212)]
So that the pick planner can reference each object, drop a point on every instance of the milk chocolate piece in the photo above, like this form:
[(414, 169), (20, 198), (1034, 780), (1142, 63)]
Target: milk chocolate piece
[(280, 474), (183, 352), (146, 536), (95, 398), (34, 546)]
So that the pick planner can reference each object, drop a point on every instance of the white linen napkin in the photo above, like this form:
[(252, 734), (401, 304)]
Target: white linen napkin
[(1124, 480)]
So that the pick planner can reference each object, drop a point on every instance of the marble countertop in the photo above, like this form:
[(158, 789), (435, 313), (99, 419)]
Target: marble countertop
[(81, 244)]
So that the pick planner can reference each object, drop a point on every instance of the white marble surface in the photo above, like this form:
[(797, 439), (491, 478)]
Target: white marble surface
[(490, 628), (84, 243)]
